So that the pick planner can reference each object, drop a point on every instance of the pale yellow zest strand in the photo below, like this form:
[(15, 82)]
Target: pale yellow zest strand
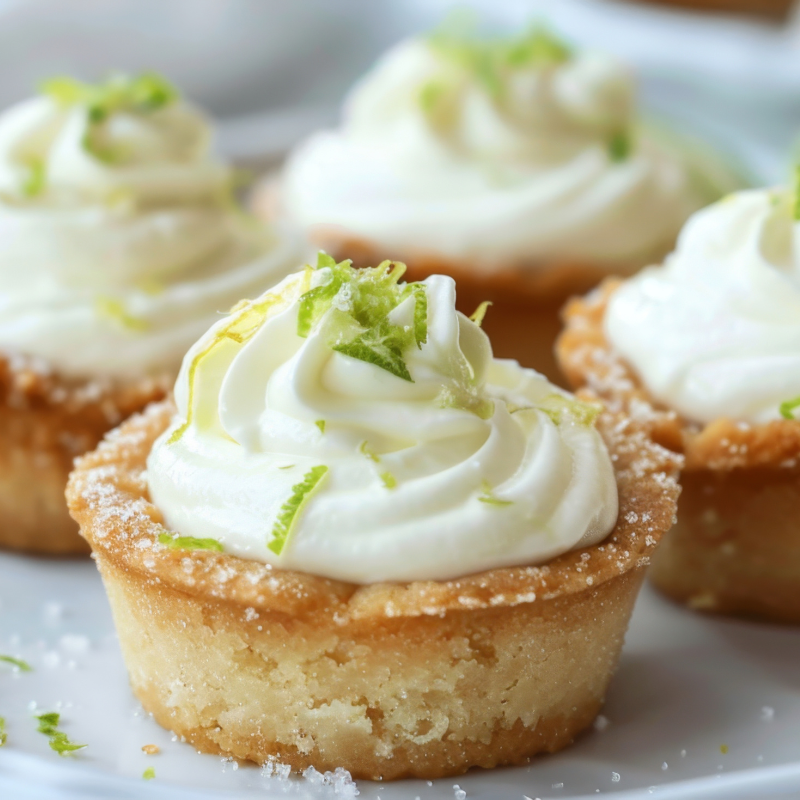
[(243, 311)]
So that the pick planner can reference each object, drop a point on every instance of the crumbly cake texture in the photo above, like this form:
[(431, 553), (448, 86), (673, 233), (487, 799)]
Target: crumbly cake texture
[(423, 679), (736, 546), (45, 422)]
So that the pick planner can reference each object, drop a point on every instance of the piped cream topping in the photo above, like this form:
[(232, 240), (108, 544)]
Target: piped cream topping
[(497, 153), (348, 425), (715, 332), (119, 242)]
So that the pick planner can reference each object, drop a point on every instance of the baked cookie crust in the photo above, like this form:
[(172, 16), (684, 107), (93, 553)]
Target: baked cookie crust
[(45, 422), (423, 679), (736, 546)]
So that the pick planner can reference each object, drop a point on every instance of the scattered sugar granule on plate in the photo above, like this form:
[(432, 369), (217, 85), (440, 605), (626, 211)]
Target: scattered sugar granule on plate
[(458, 792), (601, 723), (340, 780)]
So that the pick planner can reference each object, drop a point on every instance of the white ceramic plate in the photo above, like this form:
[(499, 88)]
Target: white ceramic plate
[(688, 688)]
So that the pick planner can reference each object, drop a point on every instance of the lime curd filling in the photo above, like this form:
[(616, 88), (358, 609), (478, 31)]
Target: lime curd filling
[(503, 151), (349, 425), (119, 240), (715, 332)]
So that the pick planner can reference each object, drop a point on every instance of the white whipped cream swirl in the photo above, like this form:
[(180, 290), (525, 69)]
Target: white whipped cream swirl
[(715, 332), (551, 165), (417, 486), (117, 246)]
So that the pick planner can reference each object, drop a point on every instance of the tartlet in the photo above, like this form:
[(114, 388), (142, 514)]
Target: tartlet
[(119, 241), (44, 424), (388, 678), (516, 166), (736, 545)]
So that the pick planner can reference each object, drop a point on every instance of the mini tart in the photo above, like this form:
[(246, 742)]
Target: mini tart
[(45, 422), (736, 546), (424, 679)]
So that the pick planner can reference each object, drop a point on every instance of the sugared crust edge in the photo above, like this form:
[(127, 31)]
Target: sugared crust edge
[(588, 360), (107, 495)]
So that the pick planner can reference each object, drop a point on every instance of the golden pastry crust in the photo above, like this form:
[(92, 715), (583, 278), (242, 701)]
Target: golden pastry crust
[(45, 422), (736, 546), (420, 679)]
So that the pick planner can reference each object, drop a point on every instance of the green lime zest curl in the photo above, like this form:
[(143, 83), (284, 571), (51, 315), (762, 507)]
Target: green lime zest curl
[(141, 94), (363, 300), (17, 663), (381, 347), (48, 722), (480, 312), (365, 449), (431, 95), (114, 309), (489, 497), (620, 146), (797, 192), (63, 745), (789, 407), (59, 741), (35, 177), (389, 480), (489, 61), (560, 408), (290, 510), (174, 542), (149, 774), (315, 302), (246, 318)]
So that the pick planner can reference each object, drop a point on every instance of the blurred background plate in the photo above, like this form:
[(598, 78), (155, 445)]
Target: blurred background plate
[(273, 71)]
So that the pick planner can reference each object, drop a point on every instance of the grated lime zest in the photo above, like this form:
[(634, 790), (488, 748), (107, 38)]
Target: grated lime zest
[(291, 509), (174, 542)]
